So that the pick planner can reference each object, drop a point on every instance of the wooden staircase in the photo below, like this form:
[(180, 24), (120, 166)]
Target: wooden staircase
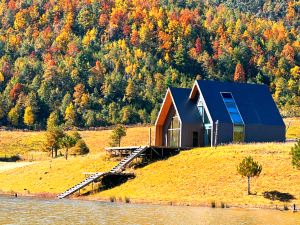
[(96, 176)]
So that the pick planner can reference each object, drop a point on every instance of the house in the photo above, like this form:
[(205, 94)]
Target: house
[(214, 112)]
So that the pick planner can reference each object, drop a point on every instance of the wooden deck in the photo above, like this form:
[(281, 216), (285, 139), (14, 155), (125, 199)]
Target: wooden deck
[(151, 152)]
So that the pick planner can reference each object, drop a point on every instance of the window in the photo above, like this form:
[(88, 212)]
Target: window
[(200, 108), (236, 118), (232, 108), (206, 122), (202, 112), (173, 135), (238, 133)]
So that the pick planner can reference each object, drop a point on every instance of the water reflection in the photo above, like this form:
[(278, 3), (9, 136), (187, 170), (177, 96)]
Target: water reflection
[(39, 211)]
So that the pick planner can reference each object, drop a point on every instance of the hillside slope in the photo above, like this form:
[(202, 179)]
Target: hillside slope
[(203, 175), (101, 62), (198, 176)]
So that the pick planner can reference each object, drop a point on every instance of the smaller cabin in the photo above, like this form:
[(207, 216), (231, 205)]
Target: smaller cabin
[(212, 113)]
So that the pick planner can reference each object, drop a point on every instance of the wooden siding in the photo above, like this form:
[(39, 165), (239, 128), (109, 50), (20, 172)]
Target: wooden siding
[(161, 119)]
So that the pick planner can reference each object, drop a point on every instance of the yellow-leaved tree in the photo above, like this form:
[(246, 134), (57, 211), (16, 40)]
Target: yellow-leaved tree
[(1, 77), (29, 116), (70, 116)]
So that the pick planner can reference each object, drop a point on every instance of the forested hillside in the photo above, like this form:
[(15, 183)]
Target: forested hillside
[(100, 62)]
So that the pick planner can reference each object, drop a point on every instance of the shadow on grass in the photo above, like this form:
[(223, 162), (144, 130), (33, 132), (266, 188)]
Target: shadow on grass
[(110, 181), (153, 157), (276, 195), (13, 158), (114, 180)]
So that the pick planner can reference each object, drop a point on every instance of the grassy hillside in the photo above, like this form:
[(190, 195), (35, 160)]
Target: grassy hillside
[(198, 176), (30, 144), (206, 174)]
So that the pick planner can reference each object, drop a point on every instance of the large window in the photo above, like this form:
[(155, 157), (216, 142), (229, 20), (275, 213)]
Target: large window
[(206, 122), (236, 118), (173, 136), (202, 112)]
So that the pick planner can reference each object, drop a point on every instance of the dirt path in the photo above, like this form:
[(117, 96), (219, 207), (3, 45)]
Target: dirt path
[(4, 166)]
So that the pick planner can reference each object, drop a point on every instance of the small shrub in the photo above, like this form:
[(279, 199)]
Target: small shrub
[(295, 152), (80, 148), (213, 204), (76, 135)]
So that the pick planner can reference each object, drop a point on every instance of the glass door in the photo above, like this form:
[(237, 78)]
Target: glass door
[(173, 135)]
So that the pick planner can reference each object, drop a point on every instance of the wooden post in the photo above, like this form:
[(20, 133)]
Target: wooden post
[(150, 137), (216, 133)]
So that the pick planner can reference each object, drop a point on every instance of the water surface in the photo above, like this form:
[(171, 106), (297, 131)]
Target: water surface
[(44, 211)]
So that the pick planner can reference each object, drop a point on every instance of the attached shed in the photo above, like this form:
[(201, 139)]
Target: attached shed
[(218, 112)]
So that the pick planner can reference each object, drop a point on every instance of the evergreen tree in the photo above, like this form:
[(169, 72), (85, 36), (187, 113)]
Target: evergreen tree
[(13, 116), (117, 134)]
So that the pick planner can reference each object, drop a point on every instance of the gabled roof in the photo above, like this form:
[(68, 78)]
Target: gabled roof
[(254, 102), (185, 108)]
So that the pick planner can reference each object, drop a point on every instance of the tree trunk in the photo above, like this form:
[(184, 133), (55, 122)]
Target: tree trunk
[(52, 153), (119, 142), (249, 193), (67, 153), (55, 151)]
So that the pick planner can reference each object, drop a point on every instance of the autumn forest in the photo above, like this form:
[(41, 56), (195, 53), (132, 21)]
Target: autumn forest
[(101, 62)]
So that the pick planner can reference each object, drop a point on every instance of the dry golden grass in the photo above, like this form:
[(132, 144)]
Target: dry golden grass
[(20, 143), (293, 127), (98, 140), (52, 176), (202, 175), (198, 176), (29, 144)]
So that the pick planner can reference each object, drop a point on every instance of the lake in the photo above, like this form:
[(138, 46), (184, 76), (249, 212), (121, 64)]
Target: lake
[(44, 211)]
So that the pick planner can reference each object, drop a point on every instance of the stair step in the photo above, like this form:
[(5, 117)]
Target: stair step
[(120, 167)]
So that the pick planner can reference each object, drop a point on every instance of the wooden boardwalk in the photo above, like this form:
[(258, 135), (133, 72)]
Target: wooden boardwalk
[(129, 153), (118, 169)]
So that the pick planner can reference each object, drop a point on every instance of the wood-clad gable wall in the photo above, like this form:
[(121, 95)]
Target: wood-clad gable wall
[(161, 119)]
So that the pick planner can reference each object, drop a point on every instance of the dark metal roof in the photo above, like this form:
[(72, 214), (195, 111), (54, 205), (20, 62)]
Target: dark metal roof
[(254, 102), (186, 108)]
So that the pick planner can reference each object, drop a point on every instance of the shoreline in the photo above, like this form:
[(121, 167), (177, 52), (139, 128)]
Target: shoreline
[(51, 196)]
